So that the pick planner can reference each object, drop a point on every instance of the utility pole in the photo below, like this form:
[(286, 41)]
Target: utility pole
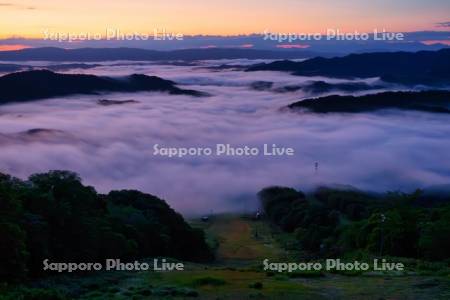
[(382, 220)]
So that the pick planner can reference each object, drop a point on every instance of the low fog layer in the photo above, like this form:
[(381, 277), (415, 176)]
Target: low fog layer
[(111, 146)]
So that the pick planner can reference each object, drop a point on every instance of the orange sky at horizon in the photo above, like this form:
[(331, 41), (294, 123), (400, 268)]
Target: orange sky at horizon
[(13, 47), (28, 19)]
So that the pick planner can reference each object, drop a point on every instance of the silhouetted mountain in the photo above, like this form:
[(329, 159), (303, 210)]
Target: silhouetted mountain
[(424, 67), (62, 67), (429, 101), (228, 67), (261, 85), (289, 88), (134, 54), (23, 86), (65, 67), (317, 87), (11, 68), (106, 102)]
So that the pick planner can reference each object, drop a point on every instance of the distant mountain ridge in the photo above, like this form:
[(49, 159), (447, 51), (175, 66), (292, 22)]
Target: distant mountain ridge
[(31, 85), (8, 68), (136, 54), (423, 67)]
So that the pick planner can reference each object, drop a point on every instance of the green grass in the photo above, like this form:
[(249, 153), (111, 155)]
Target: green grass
[(211, 281), (232, 283), (242, 244), (240, 238)]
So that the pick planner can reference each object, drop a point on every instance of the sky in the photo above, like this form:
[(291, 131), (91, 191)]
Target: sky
[(29, 19)]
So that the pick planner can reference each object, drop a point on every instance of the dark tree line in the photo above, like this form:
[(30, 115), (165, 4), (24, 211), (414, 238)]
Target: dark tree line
[(55, 216), (335, 222)]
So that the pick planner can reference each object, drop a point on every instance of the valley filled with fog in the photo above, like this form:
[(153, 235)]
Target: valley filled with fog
[(110, 144)]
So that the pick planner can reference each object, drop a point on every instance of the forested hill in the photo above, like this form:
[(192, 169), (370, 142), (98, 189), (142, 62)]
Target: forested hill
[(54, 216), (427, 101), (38, 84), (340, 222)]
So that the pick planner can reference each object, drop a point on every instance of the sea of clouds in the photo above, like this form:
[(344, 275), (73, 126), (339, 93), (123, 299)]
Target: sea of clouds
[(111, 147)]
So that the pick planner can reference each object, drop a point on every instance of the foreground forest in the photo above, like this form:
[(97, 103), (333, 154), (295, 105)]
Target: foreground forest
[(334, 223), (54, 216)]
